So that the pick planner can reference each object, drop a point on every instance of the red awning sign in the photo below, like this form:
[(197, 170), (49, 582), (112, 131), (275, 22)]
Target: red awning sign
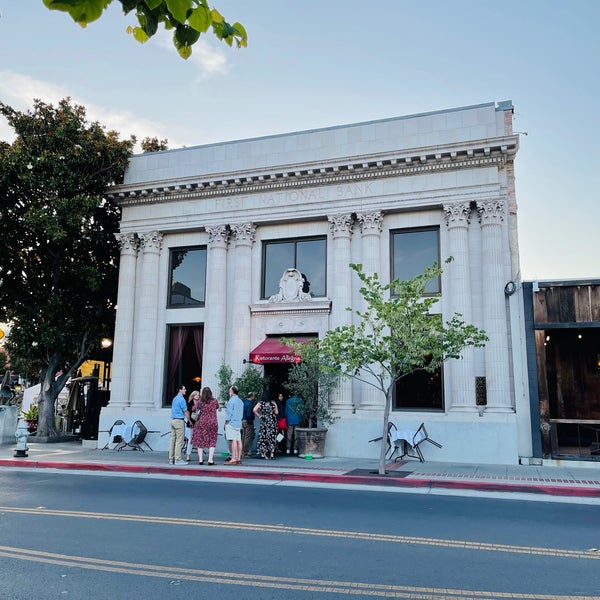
[(271, 351)]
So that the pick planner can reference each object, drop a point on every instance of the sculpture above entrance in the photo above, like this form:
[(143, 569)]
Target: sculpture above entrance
[(291, 287)]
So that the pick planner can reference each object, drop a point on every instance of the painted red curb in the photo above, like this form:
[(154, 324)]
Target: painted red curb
[(368, 480)]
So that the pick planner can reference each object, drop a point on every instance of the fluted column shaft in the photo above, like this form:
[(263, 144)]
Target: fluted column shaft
[(244, 236), (340, 227), (123, 342), (371, 225), (145, 387), (216, 305), (459, 372), (497, 369)]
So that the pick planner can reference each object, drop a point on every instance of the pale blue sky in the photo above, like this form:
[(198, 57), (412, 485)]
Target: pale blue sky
[(319, 63)]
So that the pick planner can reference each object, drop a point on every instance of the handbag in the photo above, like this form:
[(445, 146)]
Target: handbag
[(281, 423), (196, 414)]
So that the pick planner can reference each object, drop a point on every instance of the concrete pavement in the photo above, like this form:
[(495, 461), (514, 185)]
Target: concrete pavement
[(569, 481)]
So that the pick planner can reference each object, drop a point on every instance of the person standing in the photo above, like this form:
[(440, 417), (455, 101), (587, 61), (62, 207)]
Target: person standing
[(248, 425), (189, 425), (294, 415), (206, 428), (233, 426), (179, 415), (266, 411)]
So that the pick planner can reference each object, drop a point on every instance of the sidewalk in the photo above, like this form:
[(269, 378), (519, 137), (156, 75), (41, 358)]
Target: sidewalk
[(567, 481)]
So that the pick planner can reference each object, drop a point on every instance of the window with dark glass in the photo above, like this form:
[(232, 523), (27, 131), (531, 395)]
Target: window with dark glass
[(188, 277), (308, 255), (413, 250), (420, 390), (184, 359)]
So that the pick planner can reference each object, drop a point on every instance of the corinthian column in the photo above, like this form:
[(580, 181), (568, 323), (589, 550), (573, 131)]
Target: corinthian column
[(497, 372), (340, 227), (244, 237), (460, 371), (216, 309), (144, 340), (123, 342), (371, 225), (144, 335)]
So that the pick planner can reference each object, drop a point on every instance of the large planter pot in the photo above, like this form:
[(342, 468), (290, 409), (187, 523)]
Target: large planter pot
[(311, 442)]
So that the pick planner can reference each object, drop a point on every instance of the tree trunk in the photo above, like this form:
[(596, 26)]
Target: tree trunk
[(386, 418), (47, 400)]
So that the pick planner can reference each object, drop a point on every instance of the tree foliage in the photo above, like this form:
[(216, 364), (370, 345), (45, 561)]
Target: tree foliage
[(188, 19), (313, 379), (396, 335), (59, 264)]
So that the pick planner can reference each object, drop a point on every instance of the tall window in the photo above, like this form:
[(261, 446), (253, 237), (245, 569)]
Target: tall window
[(188, 277), (308, 255), (413, 250), (184, 361), (420, 390)]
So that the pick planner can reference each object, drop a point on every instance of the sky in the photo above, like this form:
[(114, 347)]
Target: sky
[(321, 63)]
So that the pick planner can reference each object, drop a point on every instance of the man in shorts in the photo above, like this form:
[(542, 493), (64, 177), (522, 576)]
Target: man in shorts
[(234, 412)]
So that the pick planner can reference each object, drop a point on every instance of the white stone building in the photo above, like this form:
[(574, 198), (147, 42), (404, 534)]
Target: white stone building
[(208, 232)]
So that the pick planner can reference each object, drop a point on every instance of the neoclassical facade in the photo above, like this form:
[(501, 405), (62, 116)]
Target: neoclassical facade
[(226, 248)]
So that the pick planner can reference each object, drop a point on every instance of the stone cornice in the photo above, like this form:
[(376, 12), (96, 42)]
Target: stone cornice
[(293, 308), (481, 153)]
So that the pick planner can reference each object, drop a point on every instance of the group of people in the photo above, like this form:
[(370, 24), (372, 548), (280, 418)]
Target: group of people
[(278, 422), (196, 420)]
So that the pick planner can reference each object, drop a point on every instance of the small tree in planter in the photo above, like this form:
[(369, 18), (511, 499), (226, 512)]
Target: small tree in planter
[(313, 380), (251, 380)]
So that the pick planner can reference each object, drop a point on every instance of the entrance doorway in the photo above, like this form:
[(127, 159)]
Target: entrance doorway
[(277, 374)]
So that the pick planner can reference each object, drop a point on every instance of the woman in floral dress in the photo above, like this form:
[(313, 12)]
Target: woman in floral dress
[(266, 411), (206, 427)]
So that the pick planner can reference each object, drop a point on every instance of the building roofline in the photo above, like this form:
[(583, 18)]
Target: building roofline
[(503, 105)]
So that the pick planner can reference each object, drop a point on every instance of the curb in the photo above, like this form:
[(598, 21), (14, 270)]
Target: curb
[(580, 491)]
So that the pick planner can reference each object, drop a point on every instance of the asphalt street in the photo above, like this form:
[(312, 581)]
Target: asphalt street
[(66, 535)]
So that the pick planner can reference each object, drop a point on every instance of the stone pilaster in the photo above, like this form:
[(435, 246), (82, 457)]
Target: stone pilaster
[(145, 387), (216, 304), (243, 236), (123, 342), (497, 371), (459, 372), (371, 225), (340, 227)]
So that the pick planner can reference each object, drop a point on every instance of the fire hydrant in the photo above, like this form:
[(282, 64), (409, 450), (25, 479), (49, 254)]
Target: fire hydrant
[(21, 434)]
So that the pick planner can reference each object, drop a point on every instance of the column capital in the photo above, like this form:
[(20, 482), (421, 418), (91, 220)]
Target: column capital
[(244, 234), (340, 225), (371, 223), (151, 241), (128, 242), (218, 236), (491, 212), (457, 214)]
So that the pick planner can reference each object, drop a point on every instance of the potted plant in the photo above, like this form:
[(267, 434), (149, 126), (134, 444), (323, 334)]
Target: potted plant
[(31, 415), (313, 380)]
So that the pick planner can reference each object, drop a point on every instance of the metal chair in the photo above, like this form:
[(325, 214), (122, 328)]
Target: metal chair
[(418, 438), (391, 447), (117, 438), (138, 438)]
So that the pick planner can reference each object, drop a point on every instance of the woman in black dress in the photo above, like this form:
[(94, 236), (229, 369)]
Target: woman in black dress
[(266, 411)]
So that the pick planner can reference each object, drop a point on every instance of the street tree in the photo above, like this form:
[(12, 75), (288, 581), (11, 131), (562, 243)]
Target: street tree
[(188, 19), (59, 262), (396, 335)]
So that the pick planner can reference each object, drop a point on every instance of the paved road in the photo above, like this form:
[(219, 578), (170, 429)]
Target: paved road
[(83, 536)]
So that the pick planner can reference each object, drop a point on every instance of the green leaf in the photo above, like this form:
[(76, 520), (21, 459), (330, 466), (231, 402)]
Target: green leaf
[(81, 11), (186, 36), (184, 51), (152, 4), (199, 19), (179, 9), (140, 35)]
